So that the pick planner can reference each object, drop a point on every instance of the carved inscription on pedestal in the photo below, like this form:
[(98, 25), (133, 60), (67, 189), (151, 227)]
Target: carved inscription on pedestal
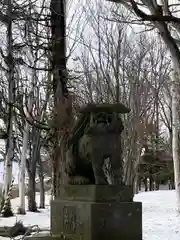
[(69, 219)]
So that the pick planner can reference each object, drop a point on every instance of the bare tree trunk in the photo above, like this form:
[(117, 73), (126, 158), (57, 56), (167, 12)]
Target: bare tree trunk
[(139, 184), (31, 193), (41, 182), (145, 184), (11, 92), (31, 168), (156, 184), (61, 94), (136, 184), (151, 188), (175, 142), (22, 168)]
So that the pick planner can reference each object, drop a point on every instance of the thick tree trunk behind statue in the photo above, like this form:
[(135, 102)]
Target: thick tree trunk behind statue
[(175, 141), (61, 94)]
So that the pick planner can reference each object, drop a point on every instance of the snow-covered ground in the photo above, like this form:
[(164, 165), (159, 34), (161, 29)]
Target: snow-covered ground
[(160, 218), (41, 219)]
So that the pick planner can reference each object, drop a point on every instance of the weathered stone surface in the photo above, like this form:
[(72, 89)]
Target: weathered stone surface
[(97, 193), (72, 219), (117, 221), (41, 236), (94, 221)]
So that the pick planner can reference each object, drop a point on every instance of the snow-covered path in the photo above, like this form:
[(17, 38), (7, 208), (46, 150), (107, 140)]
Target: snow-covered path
[(160, 218)]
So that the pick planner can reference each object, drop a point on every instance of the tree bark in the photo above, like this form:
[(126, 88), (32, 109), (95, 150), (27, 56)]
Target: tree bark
[(139, 184), (31, 193), (175, 142), (11, 93), (31, 168), (41, 183), (145, 184), (61, 94), (136, 184), (150, 183), (22, 170)]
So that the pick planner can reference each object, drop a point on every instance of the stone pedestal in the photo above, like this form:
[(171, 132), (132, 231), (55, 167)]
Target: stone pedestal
[(42, 237), (95, 212)]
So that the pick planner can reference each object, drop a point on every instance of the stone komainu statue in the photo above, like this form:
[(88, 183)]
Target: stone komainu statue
[(94, 150)]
